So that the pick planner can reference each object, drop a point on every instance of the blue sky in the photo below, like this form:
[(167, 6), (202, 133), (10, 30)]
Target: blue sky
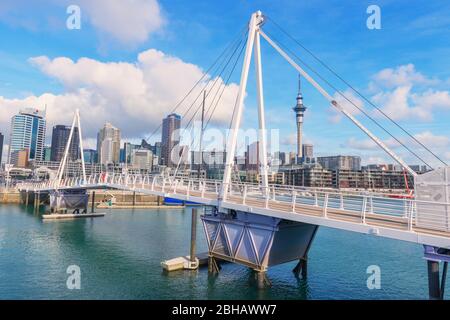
[(403, 67)]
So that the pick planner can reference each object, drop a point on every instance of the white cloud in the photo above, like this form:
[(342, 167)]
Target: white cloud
[(403, 103), (431, 140), (132, 96), (128, 21), (368, 144), (404, 75), (426, 137)]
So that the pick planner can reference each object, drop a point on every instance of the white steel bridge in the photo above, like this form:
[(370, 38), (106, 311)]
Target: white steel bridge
[(260, 225), (363, 212)]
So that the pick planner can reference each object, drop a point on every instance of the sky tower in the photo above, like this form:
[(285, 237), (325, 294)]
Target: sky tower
[(299, 113)]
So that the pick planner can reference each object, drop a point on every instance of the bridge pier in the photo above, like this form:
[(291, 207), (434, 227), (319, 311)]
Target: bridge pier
[(256, 241), (93, 202), (436, 284), (213, 265), (262, 281)]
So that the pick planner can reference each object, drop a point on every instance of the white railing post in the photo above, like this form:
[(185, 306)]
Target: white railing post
[(175, 186), (294, 200), (341, 204), (325, 205), (267, 194), (411, 214), (188, 191), (153, 184), (364, 207), (316, 200), (244, 196), (203, 188)]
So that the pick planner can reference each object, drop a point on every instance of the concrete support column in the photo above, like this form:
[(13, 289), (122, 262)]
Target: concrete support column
[(302, 267), (27, 195), (261, 279), (434, 289), (213, 266), (93, 202), (193, 234), (134, 198)]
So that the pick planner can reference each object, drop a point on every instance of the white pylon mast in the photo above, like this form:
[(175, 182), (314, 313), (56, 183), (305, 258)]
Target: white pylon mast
[(255, 21), (262, 147), (62, 165), (80, 138)]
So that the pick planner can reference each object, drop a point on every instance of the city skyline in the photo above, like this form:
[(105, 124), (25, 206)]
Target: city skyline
[(393, 68)]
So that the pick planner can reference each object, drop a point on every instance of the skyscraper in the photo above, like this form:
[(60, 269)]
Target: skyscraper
[(170, 137), (108, 144), (299, 110), (308, 153), (60, 137), (28, 133), (1, 147)]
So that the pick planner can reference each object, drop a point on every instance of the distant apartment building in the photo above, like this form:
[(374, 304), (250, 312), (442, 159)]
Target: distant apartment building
[(372, 179), (47, 153), (20, 158), (308, 176), (308, 153), (108, 145), (210, 161), (128, 150), (340, 162), (1, 147), (60, 137), (90, 156), (252, 159), (27, 133), (170, 138), (142, 159)]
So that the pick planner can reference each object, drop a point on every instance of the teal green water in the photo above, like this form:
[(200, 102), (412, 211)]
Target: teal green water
[(120, 254)]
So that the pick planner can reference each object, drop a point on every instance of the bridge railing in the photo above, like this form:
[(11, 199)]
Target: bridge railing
[(359, 206)]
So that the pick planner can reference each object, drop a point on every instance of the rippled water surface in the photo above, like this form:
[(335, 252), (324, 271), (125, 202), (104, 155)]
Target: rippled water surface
[(120, 254)]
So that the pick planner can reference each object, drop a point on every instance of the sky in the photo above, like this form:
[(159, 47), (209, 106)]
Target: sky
[(133, 60)]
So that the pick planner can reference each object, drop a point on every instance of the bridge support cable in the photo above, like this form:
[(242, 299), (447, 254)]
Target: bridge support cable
[(337, 106), (209, 91), (301, 61), (229, 47), (356, 91)]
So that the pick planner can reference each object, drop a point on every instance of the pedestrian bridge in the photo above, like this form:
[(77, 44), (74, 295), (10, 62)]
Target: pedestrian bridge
[(358, 211)]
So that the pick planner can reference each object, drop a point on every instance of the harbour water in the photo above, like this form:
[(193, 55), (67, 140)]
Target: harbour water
[(119, 257)]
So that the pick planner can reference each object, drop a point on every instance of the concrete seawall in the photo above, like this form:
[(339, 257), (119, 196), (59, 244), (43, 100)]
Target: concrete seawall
[(9, 197)]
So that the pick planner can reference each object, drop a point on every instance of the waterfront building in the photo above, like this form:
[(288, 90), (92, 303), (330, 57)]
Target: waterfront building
[(170, 138), (60, 137), (340, 162), (310, 175), (27, 133), (1, 147), (108, 145)]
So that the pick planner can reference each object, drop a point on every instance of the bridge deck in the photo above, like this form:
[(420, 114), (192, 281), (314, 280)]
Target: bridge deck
[(364, 213)]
